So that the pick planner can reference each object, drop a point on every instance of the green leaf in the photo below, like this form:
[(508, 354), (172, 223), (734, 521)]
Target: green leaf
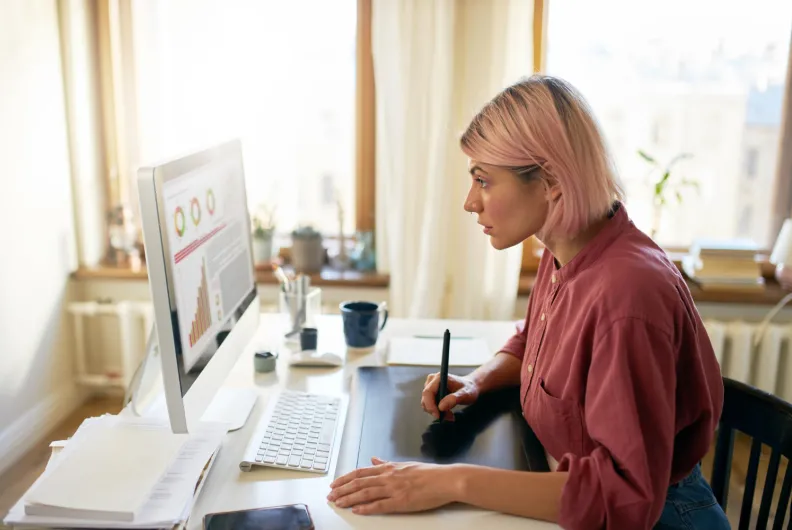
[(646, 157)]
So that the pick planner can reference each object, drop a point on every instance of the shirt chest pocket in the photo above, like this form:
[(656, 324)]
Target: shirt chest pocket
[(556, 422)]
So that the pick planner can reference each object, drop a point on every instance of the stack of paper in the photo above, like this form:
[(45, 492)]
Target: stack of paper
[(121, 473), (419, 351)]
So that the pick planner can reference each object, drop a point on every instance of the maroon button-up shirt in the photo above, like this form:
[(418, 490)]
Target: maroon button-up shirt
[(619, 380)]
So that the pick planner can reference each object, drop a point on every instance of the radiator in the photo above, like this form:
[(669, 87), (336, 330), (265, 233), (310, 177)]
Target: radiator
[(766, 366), (124, 326)]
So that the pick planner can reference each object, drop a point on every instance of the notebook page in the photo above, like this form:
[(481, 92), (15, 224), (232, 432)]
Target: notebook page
[(429, 352)]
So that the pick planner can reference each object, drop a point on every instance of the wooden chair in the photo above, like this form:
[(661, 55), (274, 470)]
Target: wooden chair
[(767, 419)]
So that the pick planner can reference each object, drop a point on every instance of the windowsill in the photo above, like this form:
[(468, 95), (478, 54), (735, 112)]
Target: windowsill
[(328, 277), (771, 294)]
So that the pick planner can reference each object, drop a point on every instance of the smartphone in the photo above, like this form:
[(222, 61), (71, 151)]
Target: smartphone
[(291, 517)]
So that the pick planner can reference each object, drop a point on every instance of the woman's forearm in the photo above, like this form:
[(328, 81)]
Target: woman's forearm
[(521, 493), (501, 371)]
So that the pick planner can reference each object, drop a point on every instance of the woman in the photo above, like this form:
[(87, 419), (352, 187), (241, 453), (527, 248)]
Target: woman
[(617, 376)]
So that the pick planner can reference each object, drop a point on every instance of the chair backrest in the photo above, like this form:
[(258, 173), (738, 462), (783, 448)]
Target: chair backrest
[(767, 419)]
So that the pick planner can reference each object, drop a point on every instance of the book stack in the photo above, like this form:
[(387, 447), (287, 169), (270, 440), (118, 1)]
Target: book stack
[(724, 265), (120, 472)]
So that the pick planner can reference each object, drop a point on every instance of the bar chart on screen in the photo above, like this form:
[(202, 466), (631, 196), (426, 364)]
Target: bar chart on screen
[(202, 318)]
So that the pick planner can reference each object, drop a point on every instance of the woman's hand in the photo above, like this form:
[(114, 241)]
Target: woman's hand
[(461, 391), (394, 487)]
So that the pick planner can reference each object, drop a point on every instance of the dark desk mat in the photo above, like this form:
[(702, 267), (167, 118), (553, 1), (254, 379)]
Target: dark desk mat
[(393, 426)]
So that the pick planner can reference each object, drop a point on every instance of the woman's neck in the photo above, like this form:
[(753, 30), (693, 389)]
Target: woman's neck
[(565, 249)]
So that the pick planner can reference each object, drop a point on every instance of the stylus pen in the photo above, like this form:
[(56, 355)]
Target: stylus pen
[(443, 389)]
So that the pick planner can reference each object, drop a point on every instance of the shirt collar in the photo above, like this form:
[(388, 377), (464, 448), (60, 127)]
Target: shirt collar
[(617, 224)]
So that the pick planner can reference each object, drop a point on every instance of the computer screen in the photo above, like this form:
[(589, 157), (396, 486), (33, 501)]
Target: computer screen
[(208, 252)]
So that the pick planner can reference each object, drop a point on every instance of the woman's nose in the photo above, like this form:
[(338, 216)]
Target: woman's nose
[(472, 204)]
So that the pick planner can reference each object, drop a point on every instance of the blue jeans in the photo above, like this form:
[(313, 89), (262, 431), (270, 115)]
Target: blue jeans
[(691, 505)]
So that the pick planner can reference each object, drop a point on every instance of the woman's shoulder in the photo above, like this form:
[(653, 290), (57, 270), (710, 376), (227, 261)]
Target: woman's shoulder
[(637, 279)]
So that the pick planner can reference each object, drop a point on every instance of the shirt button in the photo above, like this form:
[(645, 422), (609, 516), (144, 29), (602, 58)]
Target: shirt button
[(530, 368), (553, 278), (542, 317)]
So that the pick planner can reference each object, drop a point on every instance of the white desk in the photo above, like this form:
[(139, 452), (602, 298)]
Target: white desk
[(229, 488)]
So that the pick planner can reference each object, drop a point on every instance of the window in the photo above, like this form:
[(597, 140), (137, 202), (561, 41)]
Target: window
[(684, 78), (280, 75)]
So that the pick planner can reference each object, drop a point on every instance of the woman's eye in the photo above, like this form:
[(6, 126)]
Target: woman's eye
[(481, 182)]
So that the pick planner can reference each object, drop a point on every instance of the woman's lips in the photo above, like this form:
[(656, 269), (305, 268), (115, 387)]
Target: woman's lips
[(487, 230)]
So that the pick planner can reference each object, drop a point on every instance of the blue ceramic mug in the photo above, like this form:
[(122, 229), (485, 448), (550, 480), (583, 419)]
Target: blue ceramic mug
[(362, 322)]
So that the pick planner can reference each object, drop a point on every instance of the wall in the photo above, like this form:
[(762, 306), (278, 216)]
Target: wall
[(36, 242)]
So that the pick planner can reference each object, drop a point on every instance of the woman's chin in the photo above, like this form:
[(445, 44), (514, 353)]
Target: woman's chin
[(499, 244), (502, 243)]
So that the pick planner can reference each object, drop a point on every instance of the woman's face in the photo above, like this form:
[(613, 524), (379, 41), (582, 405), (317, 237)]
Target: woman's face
[(509, 208)]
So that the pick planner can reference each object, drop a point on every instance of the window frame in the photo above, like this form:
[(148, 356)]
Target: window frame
[(116, 77), (782, 196), (114, 28)]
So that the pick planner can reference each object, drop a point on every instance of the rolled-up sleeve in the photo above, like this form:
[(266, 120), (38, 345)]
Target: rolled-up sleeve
[(629, 414)]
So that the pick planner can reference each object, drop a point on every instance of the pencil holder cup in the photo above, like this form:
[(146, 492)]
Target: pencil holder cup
[(300, 311)]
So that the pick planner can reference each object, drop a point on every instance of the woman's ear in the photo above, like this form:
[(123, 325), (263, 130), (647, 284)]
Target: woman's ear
[(553, 193)]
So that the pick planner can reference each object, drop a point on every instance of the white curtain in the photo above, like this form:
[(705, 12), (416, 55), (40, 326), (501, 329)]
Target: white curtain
[(436, 63)]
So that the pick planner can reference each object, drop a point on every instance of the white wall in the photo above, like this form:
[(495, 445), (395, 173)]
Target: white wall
[(36, 239)]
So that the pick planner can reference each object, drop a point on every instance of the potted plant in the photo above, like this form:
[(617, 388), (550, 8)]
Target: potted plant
[(665, 184), (308, 254), (263, 234)]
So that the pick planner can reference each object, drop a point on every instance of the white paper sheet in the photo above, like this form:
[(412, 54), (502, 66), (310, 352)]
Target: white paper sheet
[(429, 351)]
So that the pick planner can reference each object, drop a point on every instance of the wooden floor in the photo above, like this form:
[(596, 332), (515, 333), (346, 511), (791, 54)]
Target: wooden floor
[(21, 476)]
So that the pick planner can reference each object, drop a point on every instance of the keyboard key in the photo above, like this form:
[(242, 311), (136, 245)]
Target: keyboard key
[(282, 460), (320, 466), (269, 459), (294, 461)]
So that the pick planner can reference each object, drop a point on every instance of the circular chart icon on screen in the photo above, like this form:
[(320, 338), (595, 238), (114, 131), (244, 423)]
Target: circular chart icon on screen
[(210, 201), (179, 222), (195, 211)]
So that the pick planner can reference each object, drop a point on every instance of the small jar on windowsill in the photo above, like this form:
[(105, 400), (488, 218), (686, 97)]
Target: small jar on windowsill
[(307, 254), (781, 256)]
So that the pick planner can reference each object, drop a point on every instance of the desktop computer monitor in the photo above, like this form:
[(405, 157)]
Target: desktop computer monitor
[(197, 234)]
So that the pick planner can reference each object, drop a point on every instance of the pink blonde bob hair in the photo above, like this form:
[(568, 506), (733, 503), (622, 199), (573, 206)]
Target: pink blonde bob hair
[(543, 121)]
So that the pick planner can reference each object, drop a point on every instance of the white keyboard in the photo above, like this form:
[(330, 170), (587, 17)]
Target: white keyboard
[(298, 435)]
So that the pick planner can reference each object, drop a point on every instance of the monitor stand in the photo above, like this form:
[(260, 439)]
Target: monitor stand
[(232, 406)]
